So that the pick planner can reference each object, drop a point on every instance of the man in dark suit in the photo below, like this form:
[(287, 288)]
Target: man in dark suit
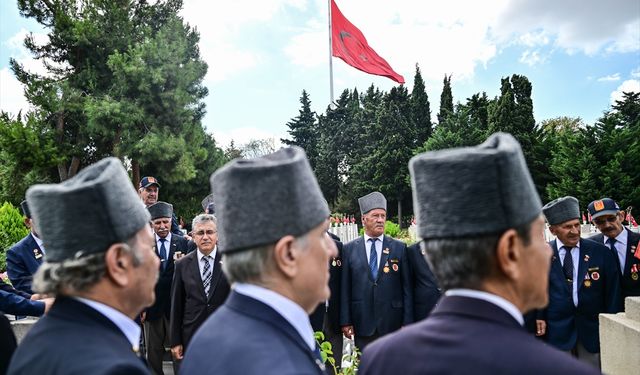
[(623, 243), (149, 191), (156, 317), (376, 287), (199, 286), (583, 282), (425, 286), (479, 215), (273, 237), (102, 279), (24, 258)]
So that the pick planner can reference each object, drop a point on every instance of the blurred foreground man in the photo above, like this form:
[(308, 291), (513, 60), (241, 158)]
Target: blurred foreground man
[(102, 279), (276, 250), (484, 240)]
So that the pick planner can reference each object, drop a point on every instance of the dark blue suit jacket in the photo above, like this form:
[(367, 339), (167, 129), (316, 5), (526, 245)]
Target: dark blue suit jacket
[(333, 310), (630, 287), (73, 338), (466, 336), (567, 323), (15, 302), (7, 343), (162, 306), (425, 286), (23, 260), (376, 306), (246, 337)]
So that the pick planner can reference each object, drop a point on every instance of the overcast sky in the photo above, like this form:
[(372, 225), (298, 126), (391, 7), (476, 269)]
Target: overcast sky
[(578, 54)]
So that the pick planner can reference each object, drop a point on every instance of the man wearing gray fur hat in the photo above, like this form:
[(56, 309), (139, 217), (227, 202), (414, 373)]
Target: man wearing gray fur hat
[(275, 249), (583, 282), (481, 225), (102, 280), (376, 294)]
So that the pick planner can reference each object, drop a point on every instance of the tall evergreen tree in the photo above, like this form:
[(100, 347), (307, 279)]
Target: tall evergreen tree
[(303, 129), (446, 100), (420, 110)]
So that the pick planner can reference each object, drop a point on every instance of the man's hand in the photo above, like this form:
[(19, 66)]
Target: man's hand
[(541, 327), (348, 331), (176, 352)]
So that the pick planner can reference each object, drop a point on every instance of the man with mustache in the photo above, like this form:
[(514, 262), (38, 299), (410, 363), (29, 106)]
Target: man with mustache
[(607, 217), (376, 294), (583, 282), (149, 192)]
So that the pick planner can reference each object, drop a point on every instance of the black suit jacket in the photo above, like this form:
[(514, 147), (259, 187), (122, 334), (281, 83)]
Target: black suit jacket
[(375, 306), (162, 305), (73, 338), (466, 336), (190, 307), (425, 286), (7, 343), (333, 310), (630, 287)]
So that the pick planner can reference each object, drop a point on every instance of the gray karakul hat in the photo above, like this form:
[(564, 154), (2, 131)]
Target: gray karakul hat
[(160, 209), (372, 201), (258, 201), (87, 213), (562, 209), (473, 191)]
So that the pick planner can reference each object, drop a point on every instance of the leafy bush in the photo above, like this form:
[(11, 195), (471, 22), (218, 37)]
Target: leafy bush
[(391, 229), (12, 230)]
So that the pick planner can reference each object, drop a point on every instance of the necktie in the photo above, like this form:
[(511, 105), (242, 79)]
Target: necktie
[(612, 242), (206, 274), (373, 258), (567, 266), (163, 253)]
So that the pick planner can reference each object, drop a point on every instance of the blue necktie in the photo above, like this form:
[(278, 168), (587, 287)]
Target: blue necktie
[(163, 253), (612, 242), (373, 258), (567, 266)]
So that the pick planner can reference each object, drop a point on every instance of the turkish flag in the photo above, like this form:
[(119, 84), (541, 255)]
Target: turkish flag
[(351, 46)]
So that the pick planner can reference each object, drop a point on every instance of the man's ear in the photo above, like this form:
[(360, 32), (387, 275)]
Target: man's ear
[(118, 263), (285, 256), (509, 253)]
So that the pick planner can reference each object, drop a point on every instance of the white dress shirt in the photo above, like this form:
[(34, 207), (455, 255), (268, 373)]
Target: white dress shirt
[(620, 245), (167, 245), (367, 246), (491, 298), (130, 328), (39, 242), (575, 257), (201, 263)]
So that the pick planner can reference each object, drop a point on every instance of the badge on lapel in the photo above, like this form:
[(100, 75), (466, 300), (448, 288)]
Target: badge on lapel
[(336, 262), (37, 253), (386, 267), (385, 251), (634, 272)]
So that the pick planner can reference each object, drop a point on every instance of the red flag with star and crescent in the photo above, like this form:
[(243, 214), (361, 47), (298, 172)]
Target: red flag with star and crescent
[(349, 44)]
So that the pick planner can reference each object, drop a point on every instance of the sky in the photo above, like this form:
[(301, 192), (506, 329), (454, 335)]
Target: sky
[(578, 54)]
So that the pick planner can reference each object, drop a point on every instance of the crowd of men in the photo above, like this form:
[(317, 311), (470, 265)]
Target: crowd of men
[(259, 272)]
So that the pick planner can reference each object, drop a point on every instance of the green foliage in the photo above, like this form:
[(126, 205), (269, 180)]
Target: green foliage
[(303, 129), (12, 230), (391, 229), (446, 100), (326, 352)]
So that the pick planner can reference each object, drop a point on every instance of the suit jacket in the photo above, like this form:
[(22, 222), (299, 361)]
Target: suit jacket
[(23, 260), (333, 310), (16, 304), (73, 338), (425, 286), (598, 292), (382, 305), (466, 336), (630, 287), (162, 305), (190, 307), (246, 337), (7, 343)]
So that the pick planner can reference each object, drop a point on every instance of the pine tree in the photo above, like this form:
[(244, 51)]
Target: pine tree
[(420, 110), (446, 100), (303, 129)]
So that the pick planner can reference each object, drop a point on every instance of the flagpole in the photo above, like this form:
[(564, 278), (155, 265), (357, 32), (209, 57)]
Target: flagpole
[(330, 58)]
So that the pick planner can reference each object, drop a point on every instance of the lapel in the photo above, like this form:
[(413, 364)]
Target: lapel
[(386, 244), (361, 254), (632, 243), (195, 272), (556, 266), (583, 263), (215, 275), (36, 251)]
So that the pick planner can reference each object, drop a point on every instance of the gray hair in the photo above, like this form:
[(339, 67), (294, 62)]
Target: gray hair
[(466, 262), (203, 218), (78, 274), (252, 265)]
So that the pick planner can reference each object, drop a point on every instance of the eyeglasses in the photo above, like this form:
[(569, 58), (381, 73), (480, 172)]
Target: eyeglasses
[(608, 219), (201, 233)]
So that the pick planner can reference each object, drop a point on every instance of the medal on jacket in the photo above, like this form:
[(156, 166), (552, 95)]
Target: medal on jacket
[(587, 280), (386, 267), (386, 250), (37, 254), (634, 272)]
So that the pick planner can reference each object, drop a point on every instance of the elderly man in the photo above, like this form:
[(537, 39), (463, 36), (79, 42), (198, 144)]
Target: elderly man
[(607, 217), (376, 294), (276, 251), (156, 317), (149, 191), (199, 286), (583, 282), (484, 240), (102, 279), (24, 258)]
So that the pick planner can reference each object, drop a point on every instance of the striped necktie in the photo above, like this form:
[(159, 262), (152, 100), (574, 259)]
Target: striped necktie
[(206, 274)]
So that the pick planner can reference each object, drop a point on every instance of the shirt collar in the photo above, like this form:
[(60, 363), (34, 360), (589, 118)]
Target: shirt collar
[(622, 237), (491, 298), (130, 328), (289, 310), (380, 237), (38, 241), (168, 238), (560, 244), (212, 255)]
